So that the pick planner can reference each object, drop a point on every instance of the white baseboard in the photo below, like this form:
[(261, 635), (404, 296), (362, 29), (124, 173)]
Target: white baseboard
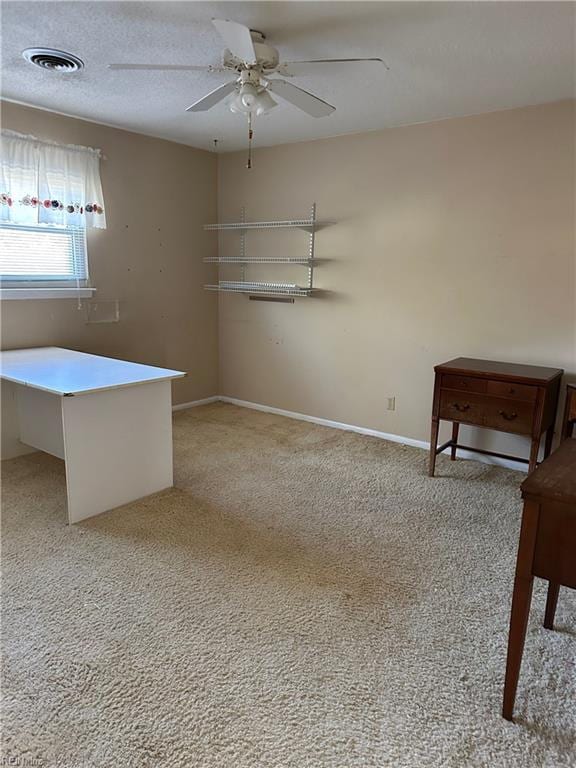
[(327, 422), (462, 454), (196, 403)]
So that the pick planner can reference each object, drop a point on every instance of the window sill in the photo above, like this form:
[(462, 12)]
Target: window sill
[(45, 293)]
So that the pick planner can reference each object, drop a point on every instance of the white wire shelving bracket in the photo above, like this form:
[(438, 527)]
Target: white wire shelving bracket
[(266, 289)]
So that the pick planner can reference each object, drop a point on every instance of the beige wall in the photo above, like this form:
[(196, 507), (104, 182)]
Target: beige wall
[(158, 194), (453, 238)]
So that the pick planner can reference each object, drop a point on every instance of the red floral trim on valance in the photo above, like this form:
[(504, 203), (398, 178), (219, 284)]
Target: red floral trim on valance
[(56, 205)]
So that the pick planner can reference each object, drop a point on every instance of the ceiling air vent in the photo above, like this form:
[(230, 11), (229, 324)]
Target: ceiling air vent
[(49, 58)]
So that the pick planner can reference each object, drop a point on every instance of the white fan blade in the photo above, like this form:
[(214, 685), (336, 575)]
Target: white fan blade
[(212, 98), (305, 101), (237, 38), (292, 68), (169, 67)]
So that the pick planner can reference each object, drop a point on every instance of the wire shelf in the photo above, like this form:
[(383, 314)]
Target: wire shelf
[(290, 224), (261, 289), (256, 260)]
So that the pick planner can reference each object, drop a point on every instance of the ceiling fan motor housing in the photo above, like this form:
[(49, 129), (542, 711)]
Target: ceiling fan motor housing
[(251, 76), (267, 58)]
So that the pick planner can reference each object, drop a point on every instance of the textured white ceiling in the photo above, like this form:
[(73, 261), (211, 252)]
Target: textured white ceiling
[(445, 59)]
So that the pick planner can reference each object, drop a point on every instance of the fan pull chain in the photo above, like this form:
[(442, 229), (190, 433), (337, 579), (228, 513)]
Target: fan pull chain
[(250, 135)]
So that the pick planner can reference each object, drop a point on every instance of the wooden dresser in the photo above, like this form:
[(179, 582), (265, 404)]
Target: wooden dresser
[(521, 399)]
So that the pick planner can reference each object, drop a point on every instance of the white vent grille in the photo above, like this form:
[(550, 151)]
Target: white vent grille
[(50, 58)]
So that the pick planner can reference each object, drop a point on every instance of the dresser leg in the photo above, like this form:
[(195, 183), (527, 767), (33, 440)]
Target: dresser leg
[(534, 448), (548, 441), (518, 623), (455, 430), (433, 446), (551, 602), (567, 422)]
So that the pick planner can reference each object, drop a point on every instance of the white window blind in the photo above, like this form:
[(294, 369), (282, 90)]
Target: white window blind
[(41, 255)]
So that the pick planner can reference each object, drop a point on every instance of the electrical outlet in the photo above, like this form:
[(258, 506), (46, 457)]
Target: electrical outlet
[(391, 403)]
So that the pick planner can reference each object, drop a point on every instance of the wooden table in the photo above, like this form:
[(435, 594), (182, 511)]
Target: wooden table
[(569, 420), (547, 549), (110, 420), (520, 399)]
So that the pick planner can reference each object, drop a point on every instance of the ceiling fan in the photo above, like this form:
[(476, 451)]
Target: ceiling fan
[(253, 61)]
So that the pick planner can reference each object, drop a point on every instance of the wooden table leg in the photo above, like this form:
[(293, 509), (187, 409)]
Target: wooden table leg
[(518, 624), (551, 601), (521, 599), (455, 430), (433, 446)]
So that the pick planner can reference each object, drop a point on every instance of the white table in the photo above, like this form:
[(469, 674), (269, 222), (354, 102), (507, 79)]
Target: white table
[(110, 420)]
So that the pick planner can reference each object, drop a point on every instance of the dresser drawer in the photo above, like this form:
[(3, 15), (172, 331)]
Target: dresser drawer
[(460, 406), (503, 414), (510, 415), (515, 391), (463, 383)]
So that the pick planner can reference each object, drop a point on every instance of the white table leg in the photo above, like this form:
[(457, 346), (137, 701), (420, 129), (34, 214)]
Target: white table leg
[(40, 420), (117, 445)]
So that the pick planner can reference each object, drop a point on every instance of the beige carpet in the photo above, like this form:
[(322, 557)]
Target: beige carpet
[(304, 598)]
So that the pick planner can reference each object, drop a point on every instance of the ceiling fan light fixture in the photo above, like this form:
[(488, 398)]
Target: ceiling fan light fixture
[(236, 105), (251, 101), (265, 103), (248, 96)]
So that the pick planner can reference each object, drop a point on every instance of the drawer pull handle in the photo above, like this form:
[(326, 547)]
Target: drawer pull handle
[(508, 416), (461, 408)]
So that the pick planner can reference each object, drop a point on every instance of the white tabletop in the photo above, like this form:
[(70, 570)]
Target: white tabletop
[(66, 372)]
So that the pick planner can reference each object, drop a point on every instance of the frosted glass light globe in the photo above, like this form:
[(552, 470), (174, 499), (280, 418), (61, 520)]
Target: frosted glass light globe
[(248, 96)]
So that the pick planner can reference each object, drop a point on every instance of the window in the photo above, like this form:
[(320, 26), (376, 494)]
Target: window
[(42, 256), (49, 195)]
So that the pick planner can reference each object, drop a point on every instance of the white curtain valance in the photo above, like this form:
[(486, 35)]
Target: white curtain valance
[(46, 183)]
